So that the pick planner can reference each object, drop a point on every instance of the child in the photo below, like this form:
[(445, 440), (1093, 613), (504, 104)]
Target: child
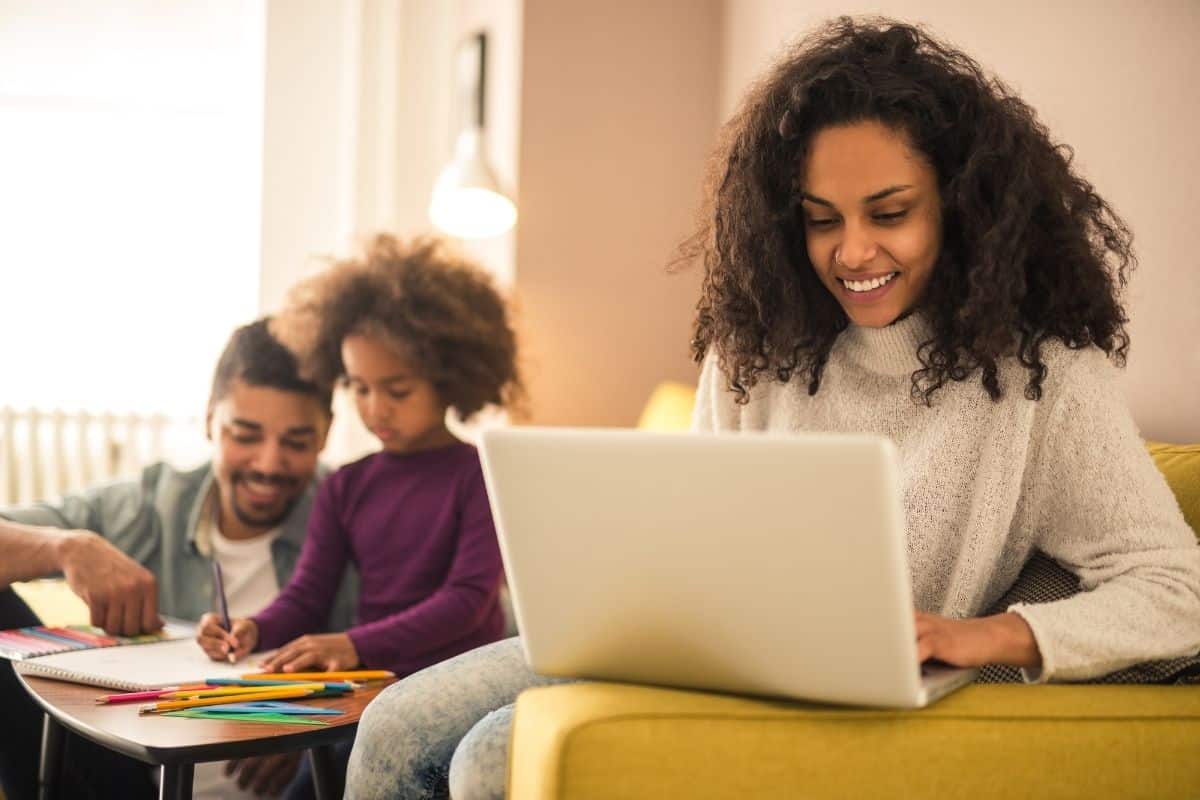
[(412, 331), (894, 245)]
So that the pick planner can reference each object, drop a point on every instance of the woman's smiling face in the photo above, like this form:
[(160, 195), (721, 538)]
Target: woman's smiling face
[(872, 220)]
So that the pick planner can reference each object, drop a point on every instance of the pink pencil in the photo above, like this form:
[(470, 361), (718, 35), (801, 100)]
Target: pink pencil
[(154, 694)]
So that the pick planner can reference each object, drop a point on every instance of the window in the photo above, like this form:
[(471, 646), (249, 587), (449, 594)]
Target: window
[(130, 186)]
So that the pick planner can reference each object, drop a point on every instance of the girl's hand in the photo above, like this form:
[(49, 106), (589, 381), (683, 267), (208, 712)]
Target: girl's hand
[(1000, 639), (325, 652), (219, 643)]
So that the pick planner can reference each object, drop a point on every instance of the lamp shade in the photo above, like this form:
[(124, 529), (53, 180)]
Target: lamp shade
[(467, 201)]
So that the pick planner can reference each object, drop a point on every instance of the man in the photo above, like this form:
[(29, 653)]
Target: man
[(137, 549)]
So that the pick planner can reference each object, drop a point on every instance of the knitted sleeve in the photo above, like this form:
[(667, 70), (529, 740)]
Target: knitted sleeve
[(1105, 512)]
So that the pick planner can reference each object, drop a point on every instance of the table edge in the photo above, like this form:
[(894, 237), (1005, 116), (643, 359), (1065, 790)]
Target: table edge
[(195, 754)]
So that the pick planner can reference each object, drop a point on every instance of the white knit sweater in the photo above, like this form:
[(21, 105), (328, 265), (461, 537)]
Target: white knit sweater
[(986, 482)]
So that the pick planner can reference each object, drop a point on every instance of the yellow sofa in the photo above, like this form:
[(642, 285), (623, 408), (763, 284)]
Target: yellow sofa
[(588, 741)]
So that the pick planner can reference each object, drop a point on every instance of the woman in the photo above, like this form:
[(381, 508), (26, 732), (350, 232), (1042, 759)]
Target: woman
[(894, 245)]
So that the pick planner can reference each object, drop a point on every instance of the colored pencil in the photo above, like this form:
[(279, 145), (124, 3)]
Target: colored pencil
[(224, 691), (273, 694), (344, 685), (153, 694), (351, 675), (222, 604)]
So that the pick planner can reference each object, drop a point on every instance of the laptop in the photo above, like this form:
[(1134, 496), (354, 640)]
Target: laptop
[(748, 563)]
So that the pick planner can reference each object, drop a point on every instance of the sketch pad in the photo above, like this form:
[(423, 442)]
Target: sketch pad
[(140, 668)]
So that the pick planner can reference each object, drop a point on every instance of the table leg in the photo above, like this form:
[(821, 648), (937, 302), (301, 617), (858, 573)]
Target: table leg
[(325, 776), (175, 782), (50, 768)]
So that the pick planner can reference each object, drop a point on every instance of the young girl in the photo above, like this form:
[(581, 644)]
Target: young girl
[(894, 245), (412, 331)]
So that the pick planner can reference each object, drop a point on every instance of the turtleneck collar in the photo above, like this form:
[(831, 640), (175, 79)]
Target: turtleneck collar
[(891, 350)]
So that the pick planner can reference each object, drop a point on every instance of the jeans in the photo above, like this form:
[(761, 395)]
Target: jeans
[(442, 731), (89, 770)]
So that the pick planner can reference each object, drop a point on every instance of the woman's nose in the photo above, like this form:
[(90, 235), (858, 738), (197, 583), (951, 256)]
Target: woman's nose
[(856, 249)]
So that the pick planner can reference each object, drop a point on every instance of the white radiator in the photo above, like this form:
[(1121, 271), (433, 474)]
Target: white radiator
[(45, 454)]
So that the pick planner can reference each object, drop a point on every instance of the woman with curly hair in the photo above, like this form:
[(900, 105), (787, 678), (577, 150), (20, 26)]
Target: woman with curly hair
[(412, 331), (894, 245)]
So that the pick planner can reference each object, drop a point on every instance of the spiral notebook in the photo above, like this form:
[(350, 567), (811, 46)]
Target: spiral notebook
[(138, 668)]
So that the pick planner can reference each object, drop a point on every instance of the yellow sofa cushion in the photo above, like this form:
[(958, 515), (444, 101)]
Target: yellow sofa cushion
[(601, 740), (1180, 463)]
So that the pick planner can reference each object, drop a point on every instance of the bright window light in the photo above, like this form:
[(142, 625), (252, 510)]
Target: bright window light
[(130, 135)]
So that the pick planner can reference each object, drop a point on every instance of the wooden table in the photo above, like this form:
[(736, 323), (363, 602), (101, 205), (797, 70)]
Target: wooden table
[(176, 744)]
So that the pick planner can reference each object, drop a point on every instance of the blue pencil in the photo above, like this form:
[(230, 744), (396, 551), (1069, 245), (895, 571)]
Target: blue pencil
[(344, 686)]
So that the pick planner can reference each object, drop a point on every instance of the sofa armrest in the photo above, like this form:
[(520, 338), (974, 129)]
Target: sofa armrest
[(597, 740)]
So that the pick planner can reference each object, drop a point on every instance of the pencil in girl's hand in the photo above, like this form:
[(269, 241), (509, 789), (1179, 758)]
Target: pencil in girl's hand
[(222, 603)]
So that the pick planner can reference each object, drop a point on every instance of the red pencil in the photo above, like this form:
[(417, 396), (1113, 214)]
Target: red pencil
[(153, 694)]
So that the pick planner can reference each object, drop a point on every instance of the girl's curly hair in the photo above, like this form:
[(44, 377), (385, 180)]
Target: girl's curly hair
[(430, 305), (1030, 252)]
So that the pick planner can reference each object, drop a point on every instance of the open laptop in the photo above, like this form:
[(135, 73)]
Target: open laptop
[(749, 563)]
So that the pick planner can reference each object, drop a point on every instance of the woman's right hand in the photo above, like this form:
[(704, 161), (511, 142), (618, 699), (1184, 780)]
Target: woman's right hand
[(219, 643)]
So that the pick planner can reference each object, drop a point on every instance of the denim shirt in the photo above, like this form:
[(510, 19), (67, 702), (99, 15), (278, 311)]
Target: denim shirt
[(154, 520)]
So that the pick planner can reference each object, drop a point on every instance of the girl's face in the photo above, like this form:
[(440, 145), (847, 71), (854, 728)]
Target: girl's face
[(395, 403), (872, 220)]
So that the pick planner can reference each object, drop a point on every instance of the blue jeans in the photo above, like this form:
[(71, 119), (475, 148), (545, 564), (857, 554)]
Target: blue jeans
[(444, 730)]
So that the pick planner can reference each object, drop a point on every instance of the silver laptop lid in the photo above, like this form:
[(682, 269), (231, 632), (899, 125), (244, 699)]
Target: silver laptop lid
[(750, 563)]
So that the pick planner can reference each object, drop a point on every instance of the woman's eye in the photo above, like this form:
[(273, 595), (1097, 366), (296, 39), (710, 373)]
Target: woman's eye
[(398, 395), (894, 216), (245, 439), (825, 222)]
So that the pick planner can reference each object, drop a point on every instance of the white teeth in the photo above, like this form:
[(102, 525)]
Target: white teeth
[(866, 286)]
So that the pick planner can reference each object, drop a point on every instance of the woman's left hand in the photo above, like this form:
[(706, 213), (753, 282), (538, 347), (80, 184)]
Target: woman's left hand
[(325, 652), (1000, 639)]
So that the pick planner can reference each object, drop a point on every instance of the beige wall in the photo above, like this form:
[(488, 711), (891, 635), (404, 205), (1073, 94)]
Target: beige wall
[(618, 111), (1117, 81)]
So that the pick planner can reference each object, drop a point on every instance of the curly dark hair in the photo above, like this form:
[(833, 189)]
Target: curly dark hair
[(429, 304), (1030, 252)]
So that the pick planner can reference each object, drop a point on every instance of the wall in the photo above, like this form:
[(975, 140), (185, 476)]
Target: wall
[(618, 112), (309, 138), (1117, 81)]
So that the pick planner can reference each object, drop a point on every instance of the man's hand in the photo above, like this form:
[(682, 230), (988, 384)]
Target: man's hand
[(326, 652), (265, 774), (1000, 639), (121, 594), (218, 643)]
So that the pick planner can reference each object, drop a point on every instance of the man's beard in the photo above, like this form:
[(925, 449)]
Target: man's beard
[(282, 481)]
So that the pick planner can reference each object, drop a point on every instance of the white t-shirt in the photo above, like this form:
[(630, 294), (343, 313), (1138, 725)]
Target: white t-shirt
[(250, 585)]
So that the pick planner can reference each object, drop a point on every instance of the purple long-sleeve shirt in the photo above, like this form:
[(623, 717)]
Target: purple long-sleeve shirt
[(419, 529)]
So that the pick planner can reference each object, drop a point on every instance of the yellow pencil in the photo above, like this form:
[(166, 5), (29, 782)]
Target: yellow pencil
[(221, 691), (282, 693), (352, 675)]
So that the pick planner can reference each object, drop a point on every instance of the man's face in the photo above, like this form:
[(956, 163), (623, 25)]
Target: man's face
[(265, 447)]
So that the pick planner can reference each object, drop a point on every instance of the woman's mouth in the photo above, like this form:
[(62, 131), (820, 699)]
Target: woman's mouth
[(868, 288)]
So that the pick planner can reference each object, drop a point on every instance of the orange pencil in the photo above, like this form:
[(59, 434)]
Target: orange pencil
[(274, 694), (351, 675), (221, 691)]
